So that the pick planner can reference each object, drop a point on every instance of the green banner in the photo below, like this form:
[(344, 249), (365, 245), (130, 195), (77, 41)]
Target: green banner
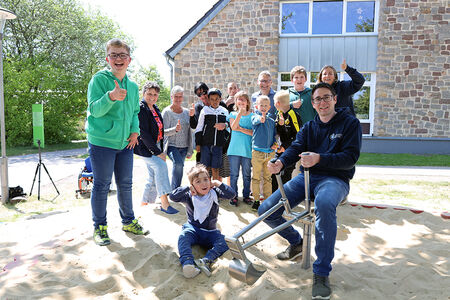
[(38, 124)]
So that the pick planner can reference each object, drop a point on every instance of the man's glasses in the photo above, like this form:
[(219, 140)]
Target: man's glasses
[(199, 94), (117, 55), (326, 98)]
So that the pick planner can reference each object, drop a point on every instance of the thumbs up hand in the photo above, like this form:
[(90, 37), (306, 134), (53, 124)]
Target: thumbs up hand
[(263, 117), (117, 94), (178, 127), (344, 65), (281, 119), (192, 110)]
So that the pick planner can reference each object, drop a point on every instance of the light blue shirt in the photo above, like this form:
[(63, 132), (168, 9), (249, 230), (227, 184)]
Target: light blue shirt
[(241, 143)]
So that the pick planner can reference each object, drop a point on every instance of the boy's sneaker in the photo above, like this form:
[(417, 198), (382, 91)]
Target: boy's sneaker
[(135, 227), (291, 252), (248, 201), (204, 264), (101, 237), (255, 205), (321, 287), (234, 201), (190, 271)]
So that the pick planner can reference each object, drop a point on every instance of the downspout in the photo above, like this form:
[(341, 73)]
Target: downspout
[(168, 58)]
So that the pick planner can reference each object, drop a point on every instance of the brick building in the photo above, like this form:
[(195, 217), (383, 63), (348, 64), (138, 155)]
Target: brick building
[(402, 48)]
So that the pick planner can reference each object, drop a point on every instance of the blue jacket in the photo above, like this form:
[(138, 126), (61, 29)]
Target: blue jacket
[(183, 194), (338, 142), (263, 133), (345, 89), (149, 132)]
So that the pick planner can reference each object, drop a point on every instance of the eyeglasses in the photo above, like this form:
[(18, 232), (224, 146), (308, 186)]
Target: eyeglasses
[(264, 81), (117, 55), (326, 98), (201, 94)]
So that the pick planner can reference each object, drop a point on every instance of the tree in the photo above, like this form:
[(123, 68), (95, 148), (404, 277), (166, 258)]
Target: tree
[(151, 73), (51, 51)]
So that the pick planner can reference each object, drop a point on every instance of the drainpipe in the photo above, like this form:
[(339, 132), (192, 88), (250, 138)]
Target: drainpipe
[(168, 58)]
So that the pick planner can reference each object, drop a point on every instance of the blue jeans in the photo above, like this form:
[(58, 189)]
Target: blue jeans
[(328, 193), (158, 179), (177, 156), (191, 235), (235, 163), (104, 162)]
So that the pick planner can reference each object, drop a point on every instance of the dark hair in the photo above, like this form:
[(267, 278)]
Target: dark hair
[(151, 85), (200, 86), (214, 91), (319, 78), (323, 85)]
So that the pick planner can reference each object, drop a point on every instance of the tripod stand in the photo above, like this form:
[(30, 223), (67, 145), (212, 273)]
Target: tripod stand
[(38, 169)]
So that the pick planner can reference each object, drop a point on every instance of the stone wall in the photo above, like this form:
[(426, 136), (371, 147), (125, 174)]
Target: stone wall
[(413, 90), (237, 44)]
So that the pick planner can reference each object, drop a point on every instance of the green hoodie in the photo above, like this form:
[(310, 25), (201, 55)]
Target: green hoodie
[(110, 123), (306, 111)]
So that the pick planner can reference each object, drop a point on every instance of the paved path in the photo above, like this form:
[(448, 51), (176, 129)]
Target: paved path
[(63, 164)]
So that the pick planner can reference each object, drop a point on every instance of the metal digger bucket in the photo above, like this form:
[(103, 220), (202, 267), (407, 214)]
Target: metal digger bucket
[(240, 267)]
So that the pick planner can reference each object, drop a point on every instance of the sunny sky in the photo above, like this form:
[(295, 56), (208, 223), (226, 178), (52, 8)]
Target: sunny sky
[(154, 25)]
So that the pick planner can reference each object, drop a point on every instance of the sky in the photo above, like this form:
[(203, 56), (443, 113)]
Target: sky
[(154, 25)]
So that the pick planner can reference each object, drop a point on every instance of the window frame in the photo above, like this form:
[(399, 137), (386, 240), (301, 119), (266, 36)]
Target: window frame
[(344, 20), (371, 84)]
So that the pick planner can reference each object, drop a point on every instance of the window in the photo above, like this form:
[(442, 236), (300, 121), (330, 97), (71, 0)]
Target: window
[(363, 101), (327, 17), (310, 17)]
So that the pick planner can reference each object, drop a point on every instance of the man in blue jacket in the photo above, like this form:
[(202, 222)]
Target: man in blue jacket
[(329, 145)]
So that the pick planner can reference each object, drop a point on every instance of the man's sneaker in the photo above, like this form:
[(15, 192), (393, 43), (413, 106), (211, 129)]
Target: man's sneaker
[(234, 201), (190, 271), (291, 252), (248, 201), (255, 205), (101, 237), (135, 227), (321, 287), (204, 264)]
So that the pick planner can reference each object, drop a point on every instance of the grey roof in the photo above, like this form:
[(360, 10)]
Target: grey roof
[(194, 30)]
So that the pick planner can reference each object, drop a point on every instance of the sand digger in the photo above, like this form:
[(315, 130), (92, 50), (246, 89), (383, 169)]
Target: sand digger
[(240, 267)]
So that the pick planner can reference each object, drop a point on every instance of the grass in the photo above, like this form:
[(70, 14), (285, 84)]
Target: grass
[(378, 159), (23, 150), (430, 195)]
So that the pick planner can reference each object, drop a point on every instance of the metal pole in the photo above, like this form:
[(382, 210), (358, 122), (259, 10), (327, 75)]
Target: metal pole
[(4, 159)]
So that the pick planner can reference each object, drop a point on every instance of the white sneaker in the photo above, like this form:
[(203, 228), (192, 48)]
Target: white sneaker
[(190, 271)]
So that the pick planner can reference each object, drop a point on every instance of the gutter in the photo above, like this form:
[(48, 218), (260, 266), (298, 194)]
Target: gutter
[(168, 59)]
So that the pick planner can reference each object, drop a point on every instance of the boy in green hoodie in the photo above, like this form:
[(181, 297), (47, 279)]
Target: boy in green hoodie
[(300, 96), (112, 129)]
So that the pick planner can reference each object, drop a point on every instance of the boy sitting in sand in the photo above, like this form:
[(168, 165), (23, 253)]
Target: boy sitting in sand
[(201, 199)]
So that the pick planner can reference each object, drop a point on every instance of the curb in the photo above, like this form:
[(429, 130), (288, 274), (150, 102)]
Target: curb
[(444, 215)]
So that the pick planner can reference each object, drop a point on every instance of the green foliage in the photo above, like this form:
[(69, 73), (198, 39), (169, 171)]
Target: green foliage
[(365, 26), (362, 103), (51, 51), (379, 159), (151, 73)]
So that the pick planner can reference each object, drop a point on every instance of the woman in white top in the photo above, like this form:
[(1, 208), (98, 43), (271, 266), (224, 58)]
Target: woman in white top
[(178, 143)]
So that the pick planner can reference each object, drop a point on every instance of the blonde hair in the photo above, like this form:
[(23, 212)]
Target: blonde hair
[(300, 70), (262, 98), (243, 95), (117, 43), (282, 97), (195, 172)]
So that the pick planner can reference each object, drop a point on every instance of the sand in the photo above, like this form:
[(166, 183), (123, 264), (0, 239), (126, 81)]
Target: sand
[(380, 254)]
